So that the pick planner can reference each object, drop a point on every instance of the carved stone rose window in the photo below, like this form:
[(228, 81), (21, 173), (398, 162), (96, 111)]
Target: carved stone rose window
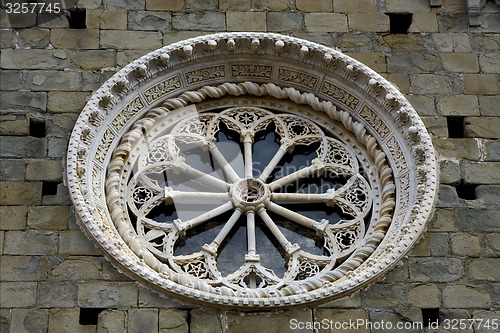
[(247, 170)]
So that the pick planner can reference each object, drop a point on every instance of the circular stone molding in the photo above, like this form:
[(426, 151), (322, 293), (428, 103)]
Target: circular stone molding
[(251, 170)]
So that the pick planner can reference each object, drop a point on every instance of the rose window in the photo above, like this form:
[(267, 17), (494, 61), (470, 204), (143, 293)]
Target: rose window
[(251, 170)]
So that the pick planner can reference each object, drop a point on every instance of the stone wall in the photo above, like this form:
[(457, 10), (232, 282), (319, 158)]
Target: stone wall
[(53, 278)]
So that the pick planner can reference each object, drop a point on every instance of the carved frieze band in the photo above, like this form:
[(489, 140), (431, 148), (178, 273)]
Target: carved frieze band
[(164, 87), (251, 70), (374, 121), (341, 95), (302, 79), (205, 74)]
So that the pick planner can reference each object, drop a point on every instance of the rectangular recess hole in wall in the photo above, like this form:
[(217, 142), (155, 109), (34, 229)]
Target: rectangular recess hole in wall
[(89, 316), (77, 18), (466, 191), (455, 126), (49, 188), (430, 315), (37, 128), (399, 22)]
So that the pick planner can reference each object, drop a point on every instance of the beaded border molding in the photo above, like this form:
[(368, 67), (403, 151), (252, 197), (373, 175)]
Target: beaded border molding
[(258, 70)]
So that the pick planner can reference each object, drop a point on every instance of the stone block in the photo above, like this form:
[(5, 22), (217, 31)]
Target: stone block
[(398, 274), (110, 273), (48, 217), (60, 125), (425, 296), (107, 294), (22, 101), (488, 194), (459, 105), (149, 20), (14, 124), (30, 320), (76, 243), (435, 269), (246, 21), (6, 38), (424, 105), (465, 245), (17, 294), (488, 105), (481, 84), (493, 244), (107, 19), (23, 268), (405, 6), (201, 5), (67, 320), (393, 318), (421, 249), (447, 196), (453, 22), (204, 321), (54, 80), (31, 242), (314, 6), (424, 22), (276, 5), (477, 220), (489, 23), (262, 322), (400, 42), (438, 244), (490, 62), (431, 84), (460, 62), (486, 269), (173, 321), (317, 37), (354, 6), (18, 20), (151, 299), (111, 321), (283, 22), (385, 295), (142, 320), (205, 21), (76, 269), (342, 318), (20, 193), (46, 170), (484, 127), (12, 80), (63, 102), (400, 80), (459, 148), (350, 301), (481, 173), (369, 22), (412, 63), (172, 5), (375, 61), (75, 38), (12, 170), (355, 42), (484, 320), (56, 294), (52, 21), (57, 147), (466, 296), (13, 217), (124, 4), (23, 147), (93, 59), (119, 39), (34, 59), (449, 172), (61, 198)]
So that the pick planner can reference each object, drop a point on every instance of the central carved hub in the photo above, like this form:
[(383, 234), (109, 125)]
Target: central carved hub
[(248, 192)]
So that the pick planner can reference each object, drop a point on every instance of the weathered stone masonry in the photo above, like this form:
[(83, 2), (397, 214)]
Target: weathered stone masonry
[(447, 66)]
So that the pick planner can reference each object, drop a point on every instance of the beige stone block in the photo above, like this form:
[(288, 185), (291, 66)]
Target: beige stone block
[(206, 21), (369, 22), (93, 59), (384, 295), (246, 21), (457, 148), (400, 80), (124, 39), (63, 101), (482, 127), (424, 22), (142, 320), (34, 37), (20, 193), (375, 61), (46, 170), (314, 6), (107, 294), (17, 294), (74, 242), (282, 22), (344, 317), (481, 84), (490, 62), (112, 321), (107, 19), (460, 105), (66, 320), (431, 84), (401, 42), (48, 217), (466, 296), (273, 4), (465, 245), (405, 6), (325, 22), (443, 220), (173, 321), (354, 6), (14, 124), (30, 242), (22, 268), (235, 5), (77, 269), (437, 128), (485, 269), (75, 38), (170, 5), (481, 172), (33, 59), (460, 62), (30, 320), (425, 296), (13, 217)]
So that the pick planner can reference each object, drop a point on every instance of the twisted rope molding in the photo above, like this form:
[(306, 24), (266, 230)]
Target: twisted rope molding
[(142, 126)]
